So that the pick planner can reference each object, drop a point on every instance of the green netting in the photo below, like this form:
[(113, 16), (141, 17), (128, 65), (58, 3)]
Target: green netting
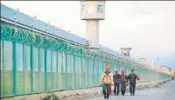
[(36, 72), (31, 63), (20, 82), (42, 70), (27, 71), (7, 73)]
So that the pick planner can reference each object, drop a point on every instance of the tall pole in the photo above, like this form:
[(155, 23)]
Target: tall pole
[(152, 64)]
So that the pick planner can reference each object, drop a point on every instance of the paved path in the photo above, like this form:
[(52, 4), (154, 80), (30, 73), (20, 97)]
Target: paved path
[(165, 92)]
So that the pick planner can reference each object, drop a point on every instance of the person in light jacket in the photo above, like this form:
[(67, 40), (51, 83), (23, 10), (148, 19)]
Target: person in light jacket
[(106, 81)]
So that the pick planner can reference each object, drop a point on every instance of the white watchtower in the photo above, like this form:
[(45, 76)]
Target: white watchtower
[(92, 12)]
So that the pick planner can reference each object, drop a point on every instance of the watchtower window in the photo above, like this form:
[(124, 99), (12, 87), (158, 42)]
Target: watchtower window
[(100, 9)]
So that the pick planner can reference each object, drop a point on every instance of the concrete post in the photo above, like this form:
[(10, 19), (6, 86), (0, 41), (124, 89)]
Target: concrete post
[(92, 32)]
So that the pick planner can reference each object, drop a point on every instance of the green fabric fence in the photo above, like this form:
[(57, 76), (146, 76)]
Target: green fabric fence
[(32, 63)]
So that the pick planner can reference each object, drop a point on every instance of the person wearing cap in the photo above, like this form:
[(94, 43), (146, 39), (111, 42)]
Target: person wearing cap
[(106, 81), (116, 80), (124, 81), (132, 77)]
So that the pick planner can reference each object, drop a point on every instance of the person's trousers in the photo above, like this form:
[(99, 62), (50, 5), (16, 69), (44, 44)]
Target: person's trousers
[(116, 87), (123, 88), (106, 90), (132, 88)]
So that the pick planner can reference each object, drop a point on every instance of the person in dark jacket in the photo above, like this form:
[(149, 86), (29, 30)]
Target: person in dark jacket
[(132, 80), (124, 82), (116, 80)]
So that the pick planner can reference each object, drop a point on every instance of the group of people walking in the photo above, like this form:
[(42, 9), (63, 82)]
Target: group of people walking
[(120, 82)]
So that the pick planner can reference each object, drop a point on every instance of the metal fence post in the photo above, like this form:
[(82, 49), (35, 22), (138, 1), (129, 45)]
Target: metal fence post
[(24, 69), (57, 70), (74, 72), (14, 66), (39, 69), (45, 67), (31, 66), (3, 69)]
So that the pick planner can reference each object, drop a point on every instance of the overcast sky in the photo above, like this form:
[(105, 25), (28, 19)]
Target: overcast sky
[(146, 26)]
